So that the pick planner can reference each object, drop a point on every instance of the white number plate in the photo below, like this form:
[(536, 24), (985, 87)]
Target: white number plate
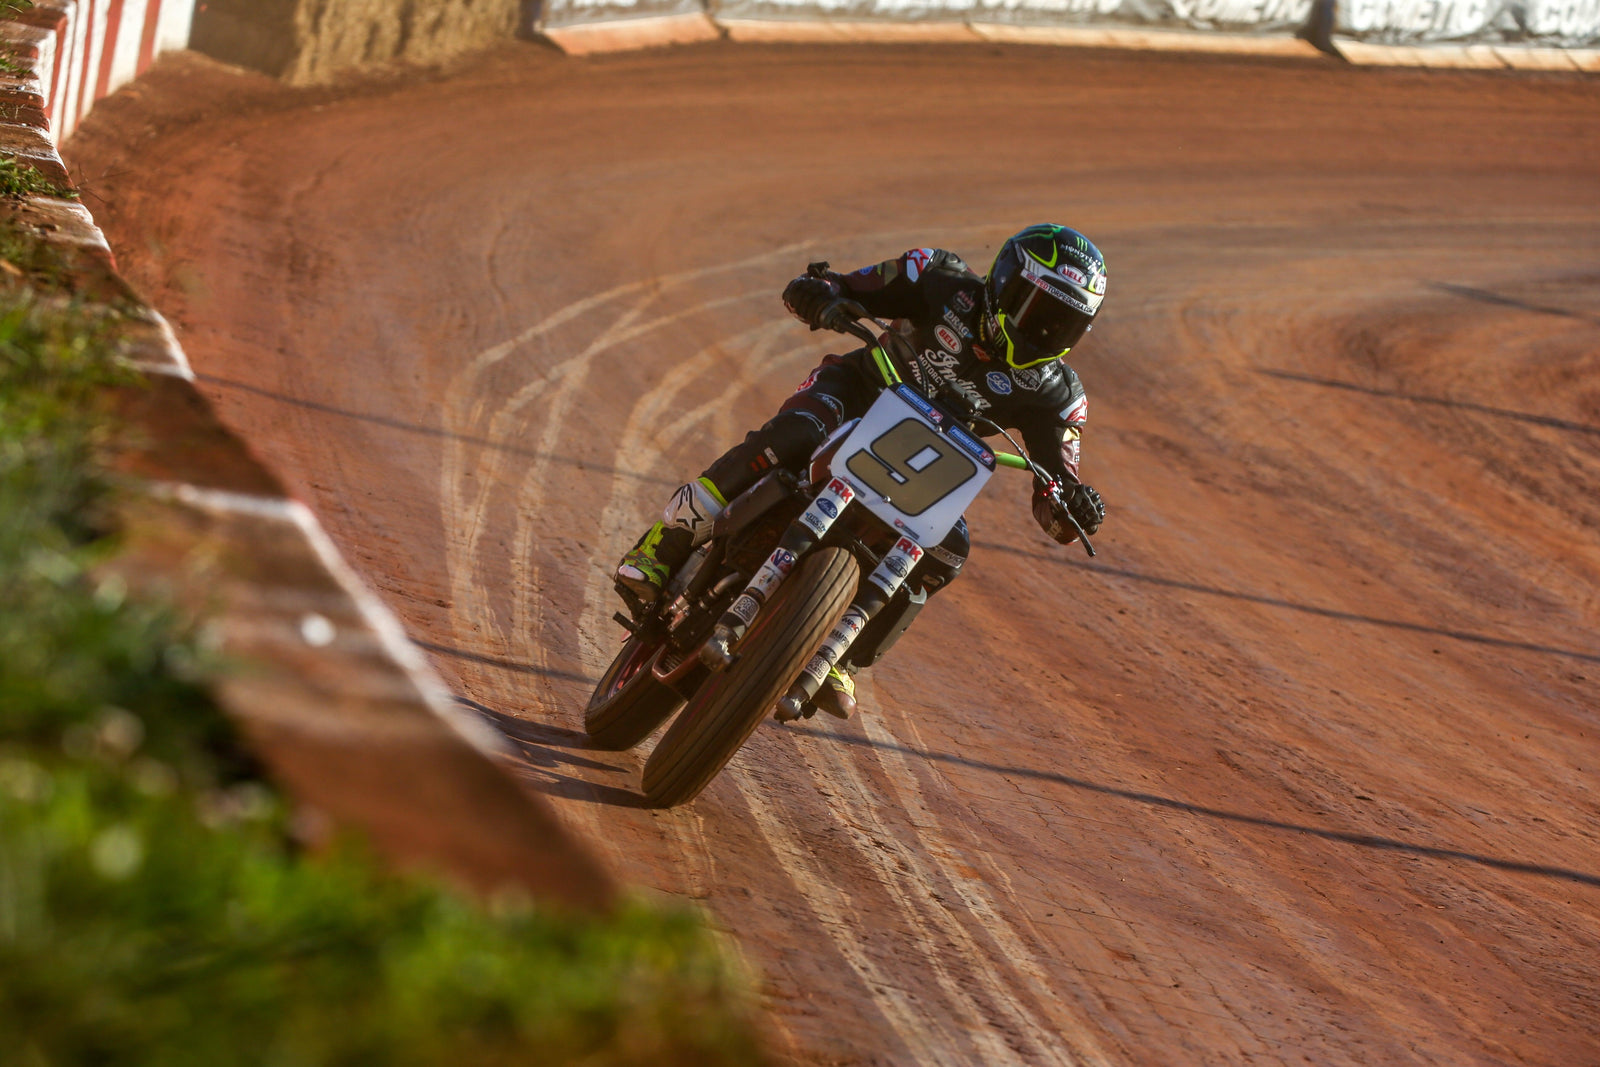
[(913, 467)]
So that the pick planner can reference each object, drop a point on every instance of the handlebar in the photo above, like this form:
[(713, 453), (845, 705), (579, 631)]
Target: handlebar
[(1016, 461)]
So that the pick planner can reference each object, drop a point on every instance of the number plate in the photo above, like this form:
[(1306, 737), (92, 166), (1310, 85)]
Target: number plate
[(915, 470)]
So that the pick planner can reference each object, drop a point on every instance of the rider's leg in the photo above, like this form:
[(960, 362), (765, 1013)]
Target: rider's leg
[(831, 394), (937, 569)]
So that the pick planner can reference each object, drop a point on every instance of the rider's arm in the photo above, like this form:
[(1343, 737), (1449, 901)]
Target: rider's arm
[(1053, 437), (888, 290)]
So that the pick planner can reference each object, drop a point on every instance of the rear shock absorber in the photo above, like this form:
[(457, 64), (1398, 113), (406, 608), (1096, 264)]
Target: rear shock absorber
[(880, 585), (805, 531)]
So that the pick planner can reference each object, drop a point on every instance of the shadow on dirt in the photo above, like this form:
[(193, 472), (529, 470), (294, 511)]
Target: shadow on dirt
[(430, 431), (1371, 841), (1276, 602), (1460, 405), (1484, 296), (504, 664), (542, 748)]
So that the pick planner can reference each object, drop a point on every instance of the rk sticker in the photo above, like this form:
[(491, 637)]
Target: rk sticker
[(910, 548), (841, 489)]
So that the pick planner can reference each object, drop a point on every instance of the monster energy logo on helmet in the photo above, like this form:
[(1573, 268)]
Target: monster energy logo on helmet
[(1045, 288)]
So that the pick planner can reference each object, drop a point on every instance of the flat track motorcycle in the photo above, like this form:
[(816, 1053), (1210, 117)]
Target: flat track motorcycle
[(776, 596)]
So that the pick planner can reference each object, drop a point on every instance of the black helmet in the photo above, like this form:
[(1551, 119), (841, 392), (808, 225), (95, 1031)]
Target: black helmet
[(1046, 284)]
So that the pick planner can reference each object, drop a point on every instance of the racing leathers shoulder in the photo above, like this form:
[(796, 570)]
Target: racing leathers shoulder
[(938, 306)]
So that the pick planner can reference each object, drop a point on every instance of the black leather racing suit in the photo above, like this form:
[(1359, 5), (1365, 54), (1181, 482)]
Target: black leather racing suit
[(938, 306)]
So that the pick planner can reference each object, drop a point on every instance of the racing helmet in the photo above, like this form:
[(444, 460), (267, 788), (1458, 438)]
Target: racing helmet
[(1044, 289)]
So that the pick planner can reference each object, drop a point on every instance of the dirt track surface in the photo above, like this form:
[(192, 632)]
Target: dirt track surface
[(1301, 770)]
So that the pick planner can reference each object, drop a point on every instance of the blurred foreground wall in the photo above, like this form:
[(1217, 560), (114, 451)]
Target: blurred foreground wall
[(72, 54)]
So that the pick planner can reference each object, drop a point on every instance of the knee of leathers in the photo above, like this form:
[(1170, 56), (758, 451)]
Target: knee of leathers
[(792, 436)]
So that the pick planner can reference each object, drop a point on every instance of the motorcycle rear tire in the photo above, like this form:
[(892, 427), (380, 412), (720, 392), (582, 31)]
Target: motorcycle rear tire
[(727, 708), (629, 703)]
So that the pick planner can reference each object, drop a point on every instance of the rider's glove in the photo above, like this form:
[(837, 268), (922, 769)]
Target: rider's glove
[(1052, 502), (817, 303)]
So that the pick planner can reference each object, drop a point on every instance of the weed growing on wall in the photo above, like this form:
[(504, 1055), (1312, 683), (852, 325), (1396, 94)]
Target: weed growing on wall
[(156, 906), (19, 179)]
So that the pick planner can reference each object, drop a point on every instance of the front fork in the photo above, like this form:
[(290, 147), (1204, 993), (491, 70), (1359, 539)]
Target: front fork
[(881, 585), (812, 525)]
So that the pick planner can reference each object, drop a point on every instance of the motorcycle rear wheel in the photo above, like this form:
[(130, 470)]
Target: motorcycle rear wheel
[(727, 708), (629, 703)]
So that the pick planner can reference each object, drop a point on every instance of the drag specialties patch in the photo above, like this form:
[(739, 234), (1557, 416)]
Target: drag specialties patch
[(954, 322), (947, 339), (999, 383)]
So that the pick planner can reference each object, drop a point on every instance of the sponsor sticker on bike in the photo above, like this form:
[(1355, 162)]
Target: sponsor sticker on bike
[(744, 609), (782, 560), (841, 489), (909, 547), (827, 507)]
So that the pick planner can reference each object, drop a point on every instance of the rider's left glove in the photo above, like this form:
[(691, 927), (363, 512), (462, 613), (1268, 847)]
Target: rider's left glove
[(1052, 502)]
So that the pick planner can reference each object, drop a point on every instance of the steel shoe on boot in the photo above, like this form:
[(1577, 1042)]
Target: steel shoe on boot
[(837, 696), (646, 569)]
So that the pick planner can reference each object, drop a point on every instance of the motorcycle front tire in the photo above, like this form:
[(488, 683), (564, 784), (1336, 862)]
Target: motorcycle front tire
[(629, 703), (728, 707)]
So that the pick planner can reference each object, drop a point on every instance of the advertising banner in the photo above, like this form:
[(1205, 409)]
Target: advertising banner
[(558, 14), (1539, 23), (1276, 17)]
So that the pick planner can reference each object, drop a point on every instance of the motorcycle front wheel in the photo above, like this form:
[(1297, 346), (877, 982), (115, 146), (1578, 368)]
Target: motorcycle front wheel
[(629, 703), (727, 708)]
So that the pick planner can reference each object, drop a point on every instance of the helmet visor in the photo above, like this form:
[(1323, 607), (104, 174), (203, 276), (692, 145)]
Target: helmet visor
[(1038, 319)]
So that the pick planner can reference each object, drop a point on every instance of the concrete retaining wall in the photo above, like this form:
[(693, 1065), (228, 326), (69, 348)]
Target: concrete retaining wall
[(308, 41)]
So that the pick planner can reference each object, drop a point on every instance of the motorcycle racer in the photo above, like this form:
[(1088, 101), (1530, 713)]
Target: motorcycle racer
[(995, 344)]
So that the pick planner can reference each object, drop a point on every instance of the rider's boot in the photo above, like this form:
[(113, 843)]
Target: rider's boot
[(837, 696), (685, 524)]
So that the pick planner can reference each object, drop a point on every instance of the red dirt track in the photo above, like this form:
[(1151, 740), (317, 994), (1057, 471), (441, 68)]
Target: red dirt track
[(1302, 769)]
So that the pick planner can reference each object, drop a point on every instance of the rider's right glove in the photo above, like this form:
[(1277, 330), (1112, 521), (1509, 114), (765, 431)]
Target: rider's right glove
[(817, 303), (1050, 501)]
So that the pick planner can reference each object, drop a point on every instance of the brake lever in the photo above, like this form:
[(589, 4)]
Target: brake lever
[(1065, 510)]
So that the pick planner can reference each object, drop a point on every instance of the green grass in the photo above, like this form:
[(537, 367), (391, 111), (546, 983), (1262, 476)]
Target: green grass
[(156, 904), (19, 179)]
